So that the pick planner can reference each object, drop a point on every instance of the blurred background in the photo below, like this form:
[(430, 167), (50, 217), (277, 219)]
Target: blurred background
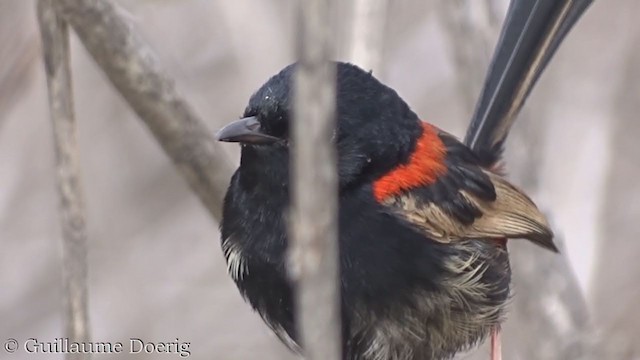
[(156, 271)]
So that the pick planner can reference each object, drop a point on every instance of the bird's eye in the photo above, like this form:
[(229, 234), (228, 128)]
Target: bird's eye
[(276, 125)]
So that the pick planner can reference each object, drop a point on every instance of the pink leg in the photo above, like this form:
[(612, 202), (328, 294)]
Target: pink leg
[(496, 344)]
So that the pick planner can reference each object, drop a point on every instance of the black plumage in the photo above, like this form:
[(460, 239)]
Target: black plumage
[(405, 294)]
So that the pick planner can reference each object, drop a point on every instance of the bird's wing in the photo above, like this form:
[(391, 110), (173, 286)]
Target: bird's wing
[(469, 202)]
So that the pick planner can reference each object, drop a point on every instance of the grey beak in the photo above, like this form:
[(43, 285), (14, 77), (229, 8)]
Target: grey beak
[(246, 130)]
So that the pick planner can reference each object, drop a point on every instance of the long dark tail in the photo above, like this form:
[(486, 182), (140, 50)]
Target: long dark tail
[(532, 31)]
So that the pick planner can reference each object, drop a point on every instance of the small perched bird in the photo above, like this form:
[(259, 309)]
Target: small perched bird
[(423, 218), (422, 223)]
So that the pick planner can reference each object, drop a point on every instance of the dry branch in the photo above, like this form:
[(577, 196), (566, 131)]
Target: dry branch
[(135, 71), (314, 251), (55, 43)]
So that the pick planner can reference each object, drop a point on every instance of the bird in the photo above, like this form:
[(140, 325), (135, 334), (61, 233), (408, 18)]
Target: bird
[(423, 218), (422, 223)]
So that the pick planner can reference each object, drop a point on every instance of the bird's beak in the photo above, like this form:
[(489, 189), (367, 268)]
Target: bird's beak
[(246, 130)]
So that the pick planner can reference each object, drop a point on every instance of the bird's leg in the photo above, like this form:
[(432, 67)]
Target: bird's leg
[(496, 344)]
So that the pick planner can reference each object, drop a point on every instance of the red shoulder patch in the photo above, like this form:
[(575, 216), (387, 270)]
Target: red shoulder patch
[(425, 165)]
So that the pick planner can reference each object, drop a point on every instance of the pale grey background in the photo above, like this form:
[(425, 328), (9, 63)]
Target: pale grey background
[(156, 270)]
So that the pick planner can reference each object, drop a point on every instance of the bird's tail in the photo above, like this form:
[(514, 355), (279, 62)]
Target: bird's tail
[(532, 31)]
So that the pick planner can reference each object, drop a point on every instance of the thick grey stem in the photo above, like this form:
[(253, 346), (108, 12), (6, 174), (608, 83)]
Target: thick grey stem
[(135, 71), (55, 43), (313, 250)]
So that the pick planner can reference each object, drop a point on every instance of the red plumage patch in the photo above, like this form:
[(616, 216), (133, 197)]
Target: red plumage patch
[(425, 165)]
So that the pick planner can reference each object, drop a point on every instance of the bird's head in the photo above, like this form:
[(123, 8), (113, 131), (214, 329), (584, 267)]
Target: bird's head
[(375, 129)]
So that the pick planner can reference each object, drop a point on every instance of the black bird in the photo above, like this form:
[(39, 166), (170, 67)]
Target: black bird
[(423, 218)]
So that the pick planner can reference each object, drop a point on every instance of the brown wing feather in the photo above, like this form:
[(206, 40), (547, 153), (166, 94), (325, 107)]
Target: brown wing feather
[(511, 215)]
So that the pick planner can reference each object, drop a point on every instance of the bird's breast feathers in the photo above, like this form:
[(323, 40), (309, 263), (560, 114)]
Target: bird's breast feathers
[(237, 265)]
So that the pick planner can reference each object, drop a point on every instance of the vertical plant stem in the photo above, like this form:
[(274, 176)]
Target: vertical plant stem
[(313, 249), (55, 43)]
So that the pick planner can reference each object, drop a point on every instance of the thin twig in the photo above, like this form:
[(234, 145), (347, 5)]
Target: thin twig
[(313, 253), (55, 43), (136, 73)]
